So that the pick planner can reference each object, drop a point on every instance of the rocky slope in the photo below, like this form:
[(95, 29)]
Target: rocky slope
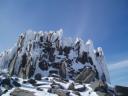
[(47, 64)]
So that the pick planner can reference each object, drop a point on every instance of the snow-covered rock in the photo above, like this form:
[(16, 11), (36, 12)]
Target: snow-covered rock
[(64, 60)]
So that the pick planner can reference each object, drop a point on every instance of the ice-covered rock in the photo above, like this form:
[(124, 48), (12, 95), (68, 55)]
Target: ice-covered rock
[(49, 55)]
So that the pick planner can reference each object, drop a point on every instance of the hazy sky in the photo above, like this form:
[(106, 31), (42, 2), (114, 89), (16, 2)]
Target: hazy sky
[(103, 21)]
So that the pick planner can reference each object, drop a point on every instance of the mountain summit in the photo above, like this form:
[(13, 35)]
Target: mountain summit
[(47, 63)]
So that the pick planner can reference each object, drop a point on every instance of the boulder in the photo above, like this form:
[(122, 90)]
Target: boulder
[(56, 86), (39, 89), (16, 79), (71, 86), (6, 83), (56, 65), (38, 76), (80, 88), (59, 92), (24, 82), (86, 76), (21, 92), (24, 60), (16, 84), (32, 81)]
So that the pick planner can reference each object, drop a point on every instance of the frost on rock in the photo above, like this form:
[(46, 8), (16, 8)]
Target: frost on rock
[(61, 63)]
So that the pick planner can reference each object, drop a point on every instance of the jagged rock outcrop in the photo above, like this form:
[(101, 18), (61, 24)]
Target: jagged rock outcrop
[(38, 55), (49, 52)]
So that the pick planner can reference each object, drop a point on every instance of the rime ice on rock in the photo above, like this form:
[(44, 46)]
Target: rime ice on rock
[(51, 65), (52, 51)]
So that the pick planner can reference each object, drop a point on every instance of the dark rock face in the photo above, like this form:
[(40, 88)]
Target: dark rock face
[(66, 50), (16, 84), (38, 76), (12, 64), (39, 89), (56, 65), (90, 60), (31, 81), (31, 71), (43, 65), (53, 72), (83, 58), (6, 83), (24, 60), (62, 70), (121, 90)]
